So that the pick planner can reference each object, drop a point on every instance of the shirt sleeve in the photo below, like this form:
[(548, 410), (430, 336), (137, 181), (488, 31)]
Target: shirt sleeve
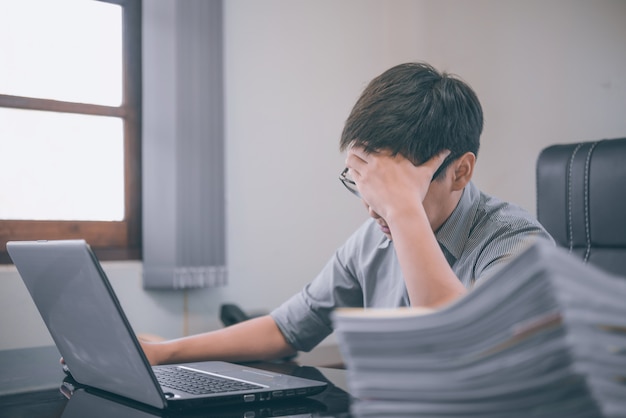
[(305, 319)]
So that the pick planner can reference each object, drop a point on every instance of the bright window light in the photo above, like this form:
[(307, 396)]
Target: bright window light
[(59, 166), (67, 50)]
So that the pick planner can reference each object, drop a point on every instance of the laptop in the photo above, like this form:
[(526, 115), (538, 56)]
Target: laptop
[(91, 331), (88, 402)]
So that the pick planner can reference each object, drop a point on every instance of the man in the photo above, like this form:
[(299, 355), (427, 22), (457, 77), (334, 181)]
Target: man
[(411, 141)]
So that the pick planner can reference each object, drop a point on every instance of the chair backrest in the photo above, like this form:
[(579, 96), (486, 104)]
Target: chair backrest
[(581, 200)]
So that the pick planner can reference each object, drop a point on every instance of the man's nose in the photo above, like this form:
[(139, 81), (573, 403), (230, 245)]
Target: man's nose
[(372, 213)]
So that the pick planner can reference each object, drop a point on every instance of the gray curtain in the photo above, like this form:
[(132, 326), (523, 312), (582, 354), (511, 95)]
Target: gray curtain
[(184, 237)]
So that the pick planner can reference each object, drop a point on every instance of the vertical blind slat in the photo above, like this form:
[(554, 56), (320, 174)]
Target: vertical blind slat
[(183, 163)]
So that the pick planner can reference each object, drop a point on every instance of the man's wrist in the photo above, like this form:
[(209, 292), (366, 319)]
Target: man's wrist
[(167, 352), (401, 214)]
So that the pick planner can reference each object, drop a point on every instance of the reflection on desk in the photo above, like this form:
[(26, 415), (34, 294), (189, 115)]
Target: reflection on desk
[(31, 383)]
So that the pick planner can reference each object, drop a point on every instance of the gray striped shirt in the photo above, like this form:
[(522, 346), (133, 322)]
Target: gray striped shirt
[(480, 235)]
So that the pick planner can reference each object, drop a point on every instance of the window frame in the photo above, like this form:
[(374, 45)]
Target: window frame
[(117, 240)]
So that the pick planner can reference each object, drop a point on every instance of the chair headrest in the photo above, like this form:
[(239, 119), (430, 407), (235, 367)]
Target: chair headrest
[(581, 193)]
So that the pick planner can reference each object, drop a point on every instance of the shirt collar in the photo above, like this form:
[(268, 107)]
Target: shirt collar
[(385, 242), (453, 234)]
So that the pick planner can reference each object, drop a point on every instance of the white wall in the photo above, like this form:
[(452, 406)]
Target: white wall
[(293, 71), (546, 72)]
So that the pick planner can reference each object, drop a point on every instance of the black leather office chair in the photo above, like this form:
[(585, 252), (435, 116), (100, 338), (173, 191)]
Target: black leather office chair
[(581, 200)]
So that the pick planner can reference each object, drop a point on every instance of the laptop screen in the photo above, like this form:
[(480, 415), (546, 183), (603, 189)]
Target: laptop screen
[(84, 318)]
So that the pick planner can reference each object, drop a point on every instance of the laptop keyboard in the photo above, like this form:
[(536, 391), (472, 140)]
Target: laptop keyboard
[(196, 383)]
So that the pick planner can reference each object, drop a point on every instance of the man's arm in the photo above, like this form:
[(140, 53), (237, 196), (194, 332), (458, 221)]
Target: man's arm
[(398, 193), (428, 277), (255, 339)]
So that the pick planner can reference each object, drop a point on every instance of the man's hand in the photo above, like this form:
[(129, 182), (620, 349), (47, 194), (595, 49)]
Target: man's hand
[(407, 206), (391, 184), (151, 348), (66, 369)]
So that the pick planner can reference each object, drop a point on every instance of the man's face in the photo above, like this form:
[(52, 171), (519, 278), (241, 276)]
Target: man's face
[(398, 179), (436, 205)]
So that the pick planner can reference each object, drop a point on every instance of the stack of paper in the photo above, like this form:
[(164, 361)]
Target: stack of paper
[(544, 337)]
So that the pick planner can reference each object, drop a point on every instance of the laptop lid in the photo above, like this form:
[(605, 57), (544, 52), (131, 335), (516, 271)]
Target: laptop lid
[(92, 333), (85, 319)]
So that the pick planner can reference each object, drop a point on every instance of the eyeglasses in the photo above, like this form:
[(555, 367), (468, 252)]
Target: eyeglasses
[(349, 183)]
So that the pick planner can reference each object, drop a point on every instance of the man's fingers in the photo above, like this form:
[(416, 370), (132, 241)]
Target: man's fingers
[(437, 159), (441, 156), (356, 159), (358, 152)]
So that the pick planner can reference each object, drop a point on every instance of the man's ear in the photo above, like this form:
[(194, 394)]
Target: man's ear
[(463, 170)]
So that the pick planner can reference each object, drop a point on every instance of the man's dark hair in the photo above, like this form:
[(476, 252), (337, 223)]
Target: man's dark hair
[(415, 111)]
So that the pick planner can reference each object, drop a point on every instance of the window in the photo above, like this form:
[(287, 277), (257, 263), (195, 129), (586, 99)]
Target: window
[(70, 123)]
